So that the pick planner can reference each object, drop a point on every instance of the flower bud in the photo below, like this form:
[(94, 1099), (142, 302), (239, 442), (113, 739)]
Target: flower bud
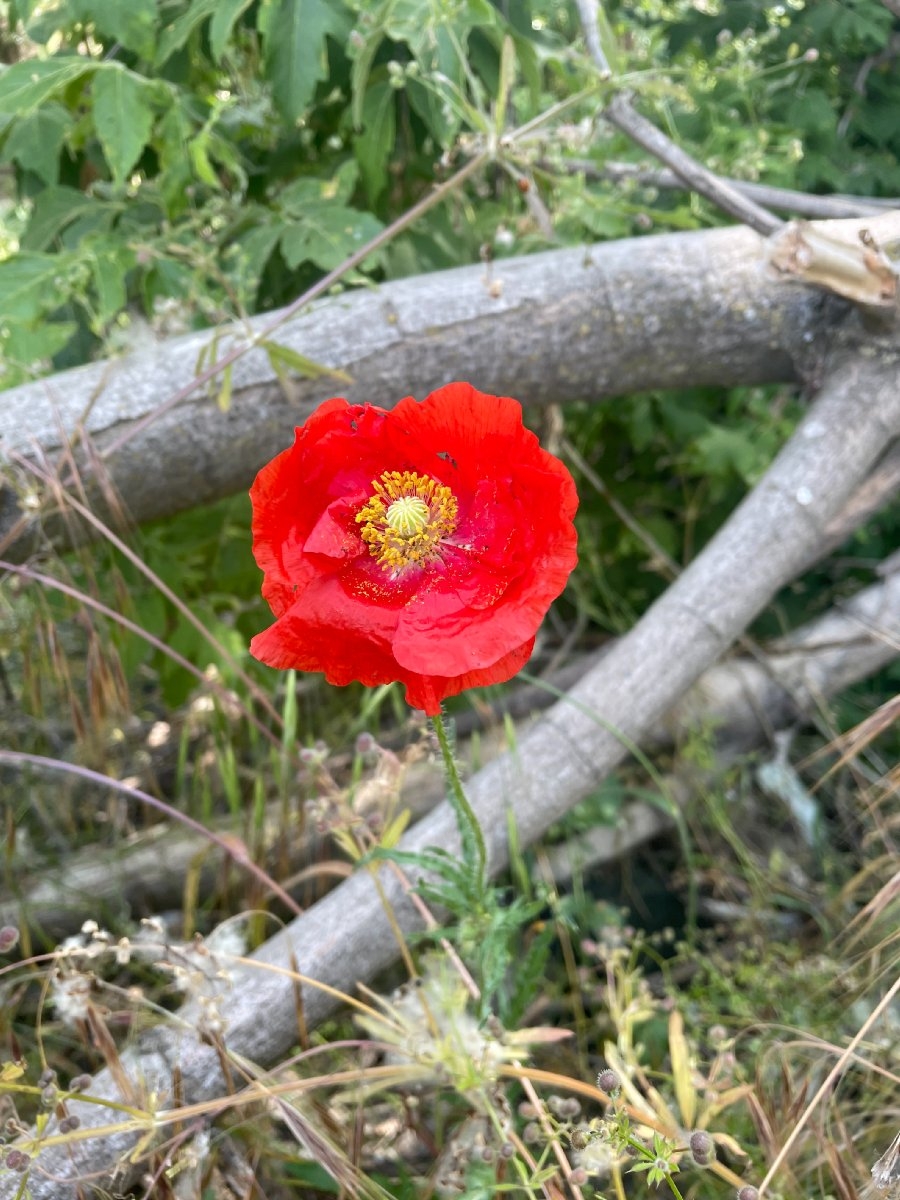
[(608, 1081), (748, 1192), (703, 1148), (9, 937)]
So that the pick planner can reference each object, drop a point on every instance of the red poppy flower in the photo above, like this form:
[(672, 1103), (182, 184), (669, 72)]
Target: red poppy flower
[(422, 544)]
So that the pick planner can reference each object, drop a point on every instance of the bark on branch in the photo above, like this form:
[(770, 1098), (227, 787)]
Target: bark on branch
[(579, 324), (347, 937)]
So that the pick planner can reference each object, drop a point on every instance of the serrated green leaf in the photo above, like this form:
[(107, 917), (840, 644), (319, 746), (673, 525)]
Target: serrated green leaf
[(246, 257), (131, 22), (26, 346), (36, 140), (123, 116), (227, 12), (283, 357), (30, 284), (296, 57), (175, 34), (26, 85), (374, 143), (109, 268), (327, 236), (54, 209)]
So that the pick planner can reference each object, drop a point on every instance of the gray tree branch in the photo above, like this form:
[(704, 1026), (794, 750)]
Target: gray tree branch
[(744, 700), (834, 206), (586, 323), (347, 937)]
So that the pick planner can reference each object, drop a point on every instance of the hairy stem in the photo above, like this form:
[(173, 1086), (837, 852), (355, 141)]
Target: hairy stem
[(470, 833)]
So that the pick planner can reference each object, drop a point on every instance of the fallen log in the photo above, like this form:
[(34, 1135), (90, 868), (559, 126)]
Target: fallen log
[(742, 699), (586, 323)]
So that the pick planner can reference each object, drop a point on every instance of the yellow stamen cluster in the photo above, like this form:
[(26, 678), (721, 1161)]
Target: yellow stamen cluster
[(405, 519)]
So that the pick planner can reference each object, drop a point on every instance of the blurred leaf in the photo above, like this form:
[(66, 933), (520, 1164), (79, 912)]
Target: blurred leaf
[(109, 266), (222, 24), (30, 284), (223, 399), (123, 116), (375, 141), (54, 209), (131, 22), (283, 357), (680, 1055), (721, 451), (296, 58), (177, 33), (324, 230), (26, 85), (28, 346), (36, 140)]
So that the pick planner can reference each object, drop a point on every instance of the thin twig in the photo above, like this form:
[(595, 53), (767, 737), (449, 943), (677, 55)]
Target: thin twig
[(621, 114), (318, 289), (815, 208)]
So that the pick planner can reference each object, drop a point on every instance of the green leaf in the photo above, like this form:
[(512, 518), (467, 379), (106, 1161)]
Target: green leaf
[(123, 116), (109, 267), (296, 57), (131, 22), (283, 357), (26, 85), (28, 347), (246, 256), (373, 145), (54, 209), (227, 12), (505, 83), (30, 285), (721, 451), (327, 236), (36, 140), (359, 73), (175, 35)]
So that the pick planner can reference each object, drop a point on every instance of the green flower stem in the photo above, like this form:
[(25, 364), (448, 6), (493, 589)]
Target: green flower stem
[(471, 836)]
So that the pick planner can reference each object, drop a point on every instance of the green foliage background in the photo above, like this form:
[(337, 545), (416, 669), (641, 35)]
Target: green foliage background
[(189, 161)]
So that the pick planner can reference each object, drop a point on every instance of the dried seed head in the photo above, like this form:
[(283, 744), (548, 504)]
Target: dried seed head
[(703, 1148), (608, 1081)]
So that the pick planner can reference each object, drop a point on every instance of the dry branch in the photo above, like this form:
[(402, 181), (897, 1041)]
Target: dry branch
[(813, 207), (579, 324), (346, 937), (743, 699)]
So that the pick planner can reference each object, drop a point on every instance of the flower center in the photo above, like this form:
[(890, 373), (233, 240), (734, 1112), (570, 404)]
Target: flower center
[(406, 518)]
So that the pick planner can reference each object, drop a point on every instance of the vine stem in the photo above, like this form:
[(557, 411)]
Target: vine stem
[(470, 833)]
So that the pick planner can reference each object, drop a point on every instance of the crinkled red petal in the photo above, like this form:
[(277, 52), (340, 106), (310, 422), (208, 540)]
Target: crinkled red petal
[(464, 620)]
